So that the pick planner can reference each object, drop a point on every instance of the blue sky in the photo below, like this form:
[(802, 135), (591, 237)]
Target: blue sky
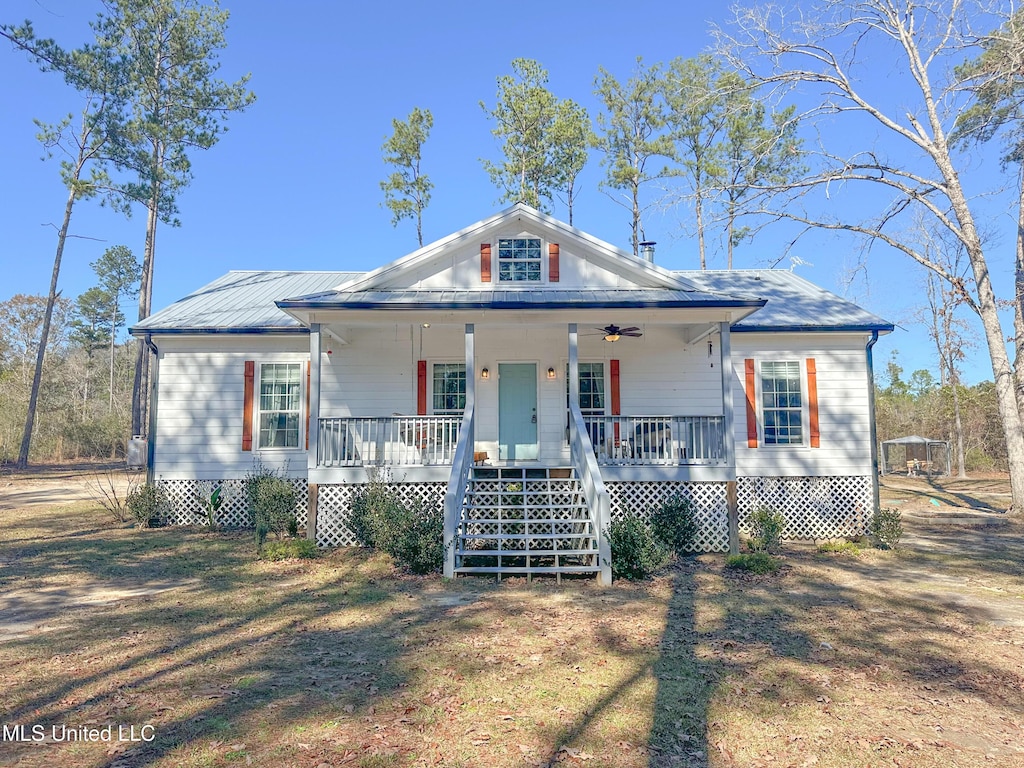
[(294, 184)]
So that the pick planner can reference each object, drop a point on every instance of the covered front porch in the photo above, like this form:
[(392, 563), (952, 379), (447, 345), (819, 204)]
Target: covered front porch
[(652, 405), (439, 402)]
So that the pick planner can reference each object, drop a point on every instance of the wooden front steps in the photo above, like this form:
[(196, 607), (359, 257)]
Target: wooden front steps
[(525, 521)]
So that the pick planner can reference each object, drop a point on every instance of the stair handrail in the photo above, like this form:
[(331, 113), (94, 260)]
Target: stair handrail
[(455, 495), (584, 459)]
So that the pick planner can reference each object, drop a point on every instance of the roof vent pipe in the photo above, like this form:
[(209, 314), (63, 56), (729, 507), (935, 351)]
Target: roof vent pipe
[(647, 249)]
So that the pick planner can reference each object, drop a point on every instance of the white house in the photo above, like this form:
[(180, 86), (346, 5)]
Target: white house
[(534, 380)]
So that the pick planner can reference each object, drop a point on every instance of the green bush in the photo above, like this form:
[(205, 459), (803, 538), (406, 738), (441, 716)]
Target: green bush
[(886, 528), (754, 562), (271, 503), (674, 524), (375, 508), (289, 549), (149, 505), (412, 535), (636, 553), (417, 543), (851, 548), (766, 526)]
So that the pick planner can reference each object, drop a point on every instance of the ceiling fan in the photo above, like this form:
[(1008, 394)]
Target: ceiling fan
[(614, 332)]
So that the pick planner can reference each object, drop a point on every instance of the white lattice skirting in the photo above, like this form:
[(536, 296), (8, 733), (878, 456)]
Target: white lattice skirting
[(708, 500), (814, 507), (187, 506), (334, 502)]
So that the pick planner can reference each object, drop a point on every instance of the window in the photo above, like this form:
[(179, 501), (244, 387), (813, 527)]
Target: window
[(449, 389), (280, 405), (519, 259), (781, 403), (592, 389)]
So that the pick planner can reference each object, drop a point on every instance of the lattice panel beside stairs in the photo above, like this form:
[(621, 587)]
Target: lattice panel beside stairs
[(334, 503), (708, 500), (187, 506), (814, 507)]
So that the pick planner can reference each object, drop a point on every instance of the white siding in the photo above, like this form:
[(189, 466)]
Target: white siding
[(374, 374), (460, 267), (199, 406), (843, 405)]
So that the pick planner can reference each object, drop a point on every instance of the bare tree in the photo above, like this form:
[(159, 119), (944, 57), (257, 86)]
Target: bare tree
[(835, 56)]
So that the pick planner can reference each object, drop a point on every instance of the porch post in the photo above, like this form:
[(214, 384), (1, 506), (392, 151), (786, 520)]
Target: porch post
[(470, 364), (314, 426), (729, 438), (574, 364)]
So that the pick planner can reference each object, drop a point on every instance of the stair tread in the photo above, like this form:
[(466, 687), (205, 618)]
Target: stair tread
[(505, 521), (521, 536), (524, 552), (530, 569)]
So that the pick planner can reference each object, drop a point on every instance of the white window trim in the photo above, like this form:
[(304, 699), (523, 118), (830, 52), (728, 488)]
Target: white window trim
[(805, 438), (543, 261), (431, 411), (258, 411)]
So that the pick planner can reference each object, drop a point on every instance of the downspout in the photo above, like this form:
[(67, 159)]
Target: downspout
[(871, 418), (151, 429)]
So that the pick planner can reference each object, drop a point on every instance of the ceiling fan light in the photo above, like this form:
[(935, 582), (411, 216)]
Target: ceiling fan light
[(611, 337)]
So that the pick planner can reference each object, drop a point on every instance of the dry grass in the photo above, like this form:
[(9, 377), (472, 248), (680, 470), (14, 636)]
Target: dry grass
[(905, 658)]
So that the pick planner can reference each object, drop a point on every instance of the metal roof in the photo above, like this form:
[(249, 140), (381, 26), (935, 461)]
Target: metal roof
[(249, 301), (240, 301), (794, 304), (629, 298)]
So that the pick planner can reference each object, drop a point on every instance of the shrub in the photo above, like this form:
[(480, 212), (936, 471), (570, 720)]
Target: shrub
[(636, 553), (149, 505), (289, 549), (674, 524), (851, 548), (754, 562), (375, 507), (210, 498), (417, 541), (271, 503), (886, 528), (412, 535), (766, 525)]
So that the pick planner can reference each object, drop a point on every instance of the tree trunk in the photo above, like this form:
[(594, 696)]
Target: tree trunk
[(699, 208), (1002, 375), (113, 328), (51, 299), (636, 219), (1018, 303), (958, 429), (140, 386)]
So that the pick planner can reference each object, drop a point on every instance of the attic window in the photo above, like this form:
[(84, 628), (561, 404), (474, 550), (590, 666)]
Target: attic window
[(519, 259)]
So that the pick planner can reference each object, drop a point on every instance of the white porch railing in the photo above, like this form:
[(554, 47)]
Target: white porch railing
[(598, 499), (455, 495), (357, 441), (657, 440)]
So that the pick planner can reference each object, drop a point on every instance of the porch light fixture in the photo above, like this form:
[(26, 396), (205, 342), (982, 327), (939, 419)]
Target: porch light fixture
[(551, 373), (612, 337), (484, 373)]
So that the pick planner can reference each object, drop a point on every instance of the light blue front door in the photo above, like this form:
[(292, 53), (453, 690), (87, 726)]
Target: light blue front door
[(517, 411)]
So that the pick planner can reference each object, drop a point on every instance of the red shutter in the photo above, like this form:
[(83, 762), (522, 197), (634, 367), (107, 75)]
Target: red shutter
[(616, 389), (421, 387), (553, 262), (616, 397), (485, 262), (250, 381), (307, 403), (812, 402), (751, 404)]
